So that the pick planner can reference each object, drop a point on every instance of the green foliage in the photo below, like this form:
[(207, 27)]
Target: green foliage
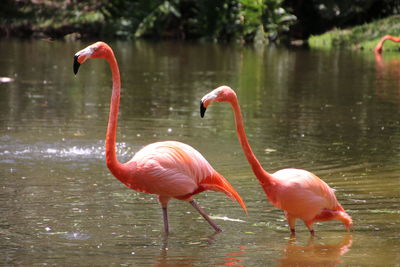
[(191, 19), (277, 20), (242, 20), (217, 20), (251, 16), (50, 18), (155, 21)]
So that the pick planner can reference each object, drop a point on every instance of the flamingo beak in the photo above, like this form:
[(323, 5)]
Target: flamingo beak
[(76, 64), (202, 109), (206, 101), (81, 56)]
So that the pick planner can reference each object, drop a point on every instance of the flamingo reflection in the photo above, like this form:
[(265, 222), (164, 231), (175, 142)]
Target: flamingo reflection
[(387, 77), (234, 258), (231, 258), (315, 253)]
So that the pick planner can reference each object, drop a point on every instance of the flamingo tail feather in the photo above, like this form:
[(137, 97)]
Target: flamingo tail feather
[(218, 183)]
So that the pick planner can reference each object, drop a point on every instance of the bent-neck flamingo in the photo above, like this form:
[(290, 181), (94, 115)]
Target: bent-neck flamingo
[(379, 46), (168, 169), (299, 193)]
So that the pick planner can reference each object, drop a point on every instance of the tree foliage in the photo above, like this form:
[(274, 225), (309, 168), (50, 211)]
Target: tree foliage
[(217, 20)]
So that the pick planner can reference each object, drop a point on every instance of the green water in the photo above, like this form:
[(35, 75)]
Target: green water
[(333, 113)]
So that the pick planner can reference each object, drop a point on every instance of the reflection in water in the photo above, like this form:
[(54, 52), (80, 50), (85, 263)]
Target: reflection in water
[(314, 253), (388, 77), (230, 258), (234, 258)]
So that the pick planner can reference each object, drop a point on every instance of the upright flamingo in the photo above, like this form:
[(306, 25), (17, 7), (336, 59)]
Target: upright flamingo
[(168, 169), (299, 193), (378, 47)]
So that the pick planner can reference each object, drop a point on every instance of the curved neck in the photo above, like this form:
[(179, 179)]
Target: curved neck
[(111, 157), (379, 46), (263, 176), (392, 38)]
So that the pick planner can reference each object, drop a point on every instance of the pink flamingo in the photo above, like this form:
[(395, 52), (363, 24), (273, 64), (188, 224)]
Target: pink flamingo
[(168, 169), (299, 193), (378, 47)]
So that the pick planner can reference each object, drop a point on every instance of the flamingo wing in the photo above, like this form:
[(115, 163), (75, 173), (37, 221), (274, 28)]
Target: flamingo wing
[(169, 169)]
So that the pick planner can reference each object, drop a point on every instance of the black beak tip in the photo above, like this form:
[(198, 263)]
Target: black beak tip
[(202, 109), (76, 64)]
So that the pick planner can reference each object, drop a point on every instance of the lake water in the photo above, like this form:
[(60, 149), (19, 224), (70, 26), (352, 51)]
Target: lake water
[(334, 113)]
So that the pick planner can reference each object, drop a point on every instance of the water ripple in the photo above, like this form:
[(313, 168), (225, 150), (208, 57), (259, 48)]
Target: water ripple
[(76, 236), (59, 151)]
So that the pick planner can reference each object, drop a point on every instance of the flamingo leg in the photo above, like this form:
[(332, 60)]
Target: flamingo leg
[(292, 222), (164, 203), (310, 227), (205, 216), (165, 216)]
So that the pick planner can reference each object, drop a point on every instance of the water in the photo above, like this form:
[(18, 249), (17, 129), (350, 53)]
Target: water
[(335, 113)]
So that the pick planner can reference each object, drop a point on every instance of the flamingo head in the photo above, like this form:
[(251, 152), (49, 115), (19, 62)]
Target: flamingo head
[(98, 49), (221, 94)]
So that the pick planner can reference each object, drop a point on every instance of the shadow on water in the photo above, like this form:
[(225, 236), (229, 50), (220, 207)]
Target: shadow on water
[(334, 113)]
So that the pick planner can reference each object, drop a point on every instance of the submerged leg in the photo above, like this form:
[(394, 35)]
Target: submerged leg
[(205, 216), (164, 203)]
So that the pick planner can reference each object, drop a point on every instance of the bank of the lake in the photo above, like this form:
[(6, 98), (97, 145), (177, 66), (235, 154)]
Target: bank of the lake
[(360, 37)]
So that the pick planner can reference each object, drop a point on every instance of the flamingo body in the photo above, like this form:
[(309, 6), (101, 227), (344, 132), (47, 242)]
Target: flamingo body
[(299, 193), (168, 169), (174, 170), (303, 195)]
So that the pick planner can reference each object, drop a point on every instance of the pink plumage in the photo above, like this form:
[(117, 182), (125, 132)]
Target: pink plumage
[(175, 170)]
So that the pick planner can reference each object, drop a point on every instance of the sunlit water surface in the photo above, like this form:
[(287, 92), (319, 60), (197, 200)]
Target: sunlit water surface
[(333, 113)]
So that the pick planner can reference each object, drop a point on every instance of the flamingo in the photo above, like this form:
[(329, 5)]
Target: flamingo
[(299, 193), (168, 169), (378, 47)]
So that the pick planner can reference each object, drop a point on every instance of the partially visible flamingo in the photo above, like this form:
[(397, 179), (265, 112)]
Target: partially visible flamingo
[(299, 193), (168, 169), (378, 47)]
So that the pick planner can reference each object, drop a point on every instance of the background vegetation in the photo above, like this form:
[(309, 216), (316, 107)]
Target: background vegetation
[(364, 36), (216, 20)]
